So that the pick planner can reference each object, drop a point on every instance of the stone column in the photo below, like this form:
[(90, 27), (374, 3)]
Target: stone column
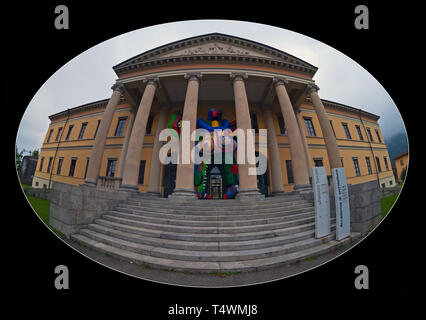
[(101, 136), (185, 172), (327, 131), (154, 172), (126, 144), (305, 143), (298, 160), (247, 183), (133, 156), (274, 154)]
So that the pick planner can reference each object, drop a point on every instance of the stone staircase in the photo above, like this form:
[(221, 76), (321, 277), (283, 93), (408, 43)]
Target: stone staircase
[(206, 236)]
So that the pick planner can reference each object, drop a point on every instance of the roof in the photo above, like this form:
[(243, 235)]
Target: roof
[(226, 47), (400, 155)]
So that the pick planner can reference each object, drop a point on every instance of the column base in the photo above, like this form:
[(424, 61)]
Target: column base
[(90, 184), (249, 194), (278, 193), (305, 191), (183, 194), (152, 194), (129, 188)]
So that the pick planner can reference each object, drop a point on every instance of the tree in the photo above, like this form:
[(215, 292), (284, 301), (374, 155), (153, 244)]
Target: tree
[(18, 158)]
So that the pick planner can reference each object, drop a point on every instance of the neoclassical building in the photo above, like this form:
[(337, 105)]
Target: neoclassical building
[(114, 143)]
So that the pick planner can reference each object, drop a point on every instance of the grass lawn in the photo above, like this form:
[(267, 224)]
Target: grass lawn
[(42, 208), (387, 203)]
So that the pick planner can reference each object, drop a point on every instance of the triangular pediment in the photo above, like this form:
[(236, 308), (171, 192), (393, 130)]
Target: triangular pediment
[(214, 44)]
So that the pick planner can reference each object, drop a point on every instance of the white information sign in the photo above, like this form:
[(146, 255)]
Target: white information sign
[(322, 202), (341, 198)]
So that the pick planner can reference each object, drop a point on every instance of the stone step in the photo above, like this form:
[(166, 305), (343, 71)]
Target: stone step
[(218, 206), (204, 211), (207, 256), (205, 245), (217, 217), (209, 230), (209, 266), (218, 237), (258, 220)]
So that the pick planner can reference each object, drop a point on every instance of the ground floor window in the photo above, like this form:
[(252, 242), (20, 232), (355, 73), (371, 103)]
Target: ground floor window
[(141, 171), (72, 167), (356, 166), (289, 168), (112, 163)]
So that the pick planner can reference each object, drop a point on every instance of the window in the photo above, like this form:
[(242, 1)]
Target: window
[(332, 128), (281, 124), (367, 160), (383, 185), (83, 128), (378, 135), (378, 164), (254, 124), (120, 127), (50, 135), (289, 168), (61, 160), (358, 129), (149, 124), (97, 127), (341, 161), (141, 171), (72, 167), (49, 165), (69, 132), (309, 127), (386, 163), (347, 132), (390, 182), (318, 162), (369, 134), (87, 166), (41, 164), (58, 135), (112, 163), (356, 166), (401, 162)]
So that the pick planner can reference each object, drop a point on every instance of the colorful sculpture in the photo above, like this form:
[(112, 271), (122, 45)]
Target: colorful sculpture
[(229, 171)]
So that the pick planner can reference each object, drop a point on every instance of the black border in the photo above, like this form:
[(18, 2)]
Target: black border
[(35, 50)]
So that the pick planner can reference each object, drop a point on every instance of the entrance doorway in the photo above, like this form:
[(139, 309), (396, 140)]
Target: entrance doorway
[(169, 179), (216, 190)]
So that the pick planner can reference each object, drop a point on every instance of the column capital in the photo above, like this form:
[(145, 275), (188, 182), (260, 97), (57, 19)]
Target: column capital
[(193, 76), (238, 76), (153, 81), (312, 87), (277, 81), (118, 87)]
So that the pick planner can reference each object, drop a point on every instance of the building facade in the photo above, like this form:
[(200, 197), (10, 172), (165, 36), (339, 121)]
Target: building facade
[(114, 143), (401, 163)]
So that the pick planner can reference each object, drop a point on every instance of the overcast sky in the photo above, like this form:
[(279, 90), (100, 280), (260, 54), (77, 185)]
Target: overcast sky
[(89, 76)]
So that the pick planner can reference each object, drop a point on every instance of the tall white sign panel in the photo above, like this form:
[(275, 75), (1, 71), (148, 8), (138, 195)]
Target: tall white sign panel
[(341, 198), (322, 202)]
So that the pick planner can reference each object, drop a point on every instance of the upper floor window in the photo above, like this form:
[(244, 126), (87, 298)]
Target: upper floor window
[(69, 132), (310, 127), (378, 136), (120, 127), (347, 132), (97, 127), (50, 135), (83, 128), (281, 124), (369, 134), (358, 129), (332, 128), (58, 135), (149, 124), (401, 162)]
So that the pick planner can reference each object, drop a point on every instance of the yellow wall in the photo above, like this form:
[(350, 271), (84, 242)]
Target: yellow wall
[(348, 148), (400, 164)]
